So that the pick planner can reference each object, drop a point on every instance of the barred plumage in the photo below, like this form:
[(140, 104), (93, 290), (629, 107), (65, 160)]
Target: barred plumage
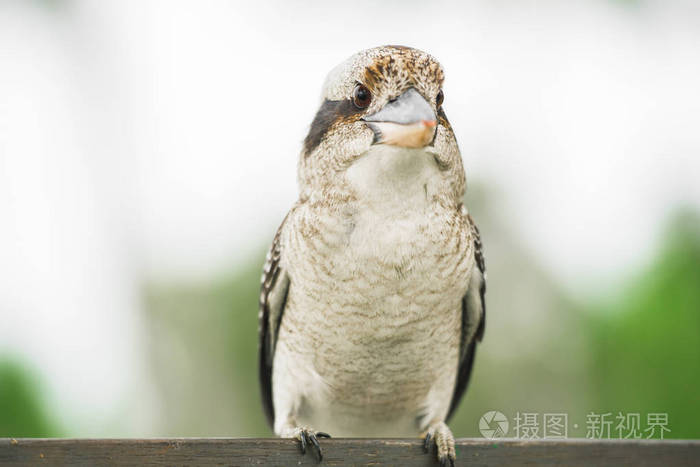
[(372, 294)]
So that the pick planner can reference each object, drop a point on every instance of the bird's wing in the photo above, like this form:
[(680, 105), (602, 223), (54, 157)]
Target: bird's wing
[(473, 319), (273, 297)]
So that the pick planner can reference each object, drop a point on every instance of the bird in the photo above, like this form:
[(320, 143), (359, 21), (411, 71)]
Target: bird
[(372, 296)]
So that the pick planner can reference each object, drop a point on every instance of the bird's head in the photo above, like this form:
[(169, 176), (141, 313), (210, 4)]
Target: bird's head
[(385, 100)]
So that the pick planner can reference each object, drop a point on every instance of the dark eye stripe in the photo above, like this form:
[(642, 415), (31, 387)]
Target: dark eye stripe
[(442, 119), (328, 114)]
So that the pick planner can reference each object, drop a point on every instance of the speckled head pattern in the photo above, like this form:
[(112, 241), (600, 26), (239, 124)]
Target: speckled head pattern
[(338, 136), (386, 71)]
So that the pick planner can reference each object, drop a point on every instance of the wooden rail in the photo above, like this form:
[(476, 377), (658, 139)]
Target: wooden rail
[(368, 452)]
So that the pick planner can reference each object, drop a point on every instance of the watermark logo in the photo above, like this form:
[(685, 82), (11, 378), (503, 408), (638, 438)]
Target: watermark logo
[(493, 424), (608, 425)]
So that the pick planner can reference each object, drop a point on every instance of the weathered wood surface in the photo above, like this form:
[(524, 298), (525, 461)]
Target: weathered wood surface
[(368, 452)]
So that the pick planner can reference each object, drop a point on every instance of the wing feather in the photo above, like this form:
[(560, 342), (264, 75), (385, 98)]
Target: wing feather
[(273, 298), (473, 319)]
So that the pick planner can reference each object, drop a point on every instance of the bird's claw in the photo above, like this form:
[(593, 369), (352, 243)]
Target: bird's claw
[(307, 436), (441, 436)]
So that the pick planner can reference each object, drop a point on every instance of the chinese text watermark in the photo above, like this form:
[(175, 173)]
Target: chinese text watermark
[(604, 425)]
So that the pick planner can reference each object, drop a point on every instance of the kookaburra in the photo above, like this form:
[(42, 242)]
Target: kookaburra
[(372, 298)]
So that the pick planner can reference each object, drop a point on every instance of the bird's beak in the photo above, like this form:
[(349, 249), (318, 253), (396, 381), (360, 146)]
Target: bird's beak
[(407, 121)]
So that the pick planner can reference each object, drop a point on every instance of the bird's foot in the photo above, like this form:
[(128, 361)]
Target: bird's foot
[(440, 435), (308, 438)]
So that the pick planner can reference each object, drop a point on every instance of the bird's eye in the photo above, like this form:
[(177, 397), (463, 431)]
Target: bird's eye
[(439, 98), (361, 96)]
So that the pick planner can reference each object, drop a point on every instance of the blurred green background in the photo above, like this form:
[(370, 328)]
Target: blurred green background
[(636, 351)]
